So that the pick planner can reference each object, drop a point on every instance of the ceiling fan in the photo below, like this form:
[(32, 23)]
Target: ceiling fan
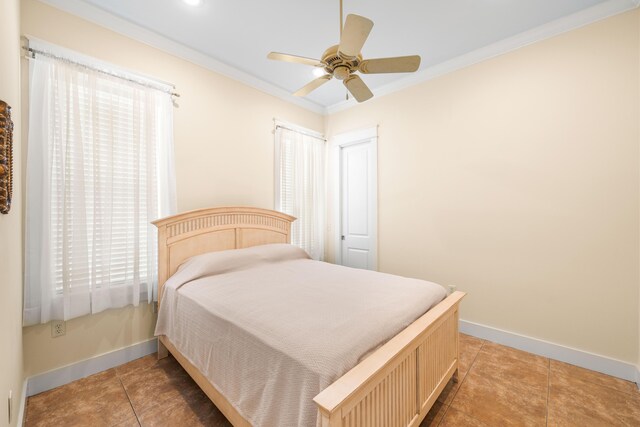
[(342, 61)]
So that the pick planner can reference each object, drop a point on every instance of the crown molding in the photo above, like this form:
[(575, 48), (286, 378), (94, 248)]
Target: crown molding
[(579, 19), (122, 26), (119, 25)]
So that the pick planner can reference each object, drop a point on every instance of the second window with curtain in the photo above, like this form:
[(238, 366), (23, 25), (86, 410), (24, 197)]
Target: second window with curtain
[(300, 186)]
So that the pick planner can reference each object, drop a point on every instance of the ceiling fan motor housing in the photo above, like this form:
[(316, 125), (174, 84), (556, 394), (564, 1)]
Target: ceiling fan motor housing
[(339, 65)]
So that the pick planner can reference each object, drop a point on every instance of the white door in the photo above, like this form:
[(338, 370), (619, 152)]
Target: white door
[(358, 204)]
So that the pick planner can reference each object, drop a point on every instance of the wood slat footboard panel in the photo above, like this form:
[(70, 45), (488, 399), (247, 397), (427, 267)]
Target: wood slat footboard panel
[(398, 384), (392, 402), (437, 354)]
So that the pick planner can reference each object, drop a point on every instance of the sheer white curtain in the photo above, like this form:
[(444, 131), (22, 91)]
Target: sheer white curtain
[(300, 187), (99, 169)]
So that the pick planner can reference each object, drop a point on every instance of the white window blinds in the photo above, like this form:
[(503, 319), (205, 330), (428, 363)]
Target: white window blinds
[(98, 171), (300, 187)]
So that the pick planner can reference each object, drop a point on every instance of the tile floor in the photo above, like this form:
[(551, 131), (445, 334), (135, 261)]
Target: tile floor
[(498, 386)]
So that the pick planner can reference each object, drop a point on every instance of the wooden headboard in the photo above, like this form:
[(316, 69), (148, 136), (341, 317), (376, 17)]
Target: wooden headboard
[(196, 232)]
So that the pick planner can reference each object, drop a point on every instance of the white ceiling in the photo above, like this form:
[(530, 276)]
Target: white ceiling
[(240, 33)]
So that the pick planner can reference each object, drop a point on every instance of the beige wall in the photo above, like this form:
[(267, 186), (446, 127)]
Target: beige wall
[(223, 151), (86, 337), (11, 372), (516, 180)]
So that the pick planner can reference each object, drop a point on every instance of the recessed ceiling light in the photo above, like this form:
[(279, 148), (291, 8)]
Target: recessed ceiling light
[(193, 2)]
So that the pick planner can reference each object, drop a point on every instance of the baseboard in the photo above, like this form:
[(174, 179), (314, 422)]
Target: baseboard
[(584, 359), (23, 404), (61, 376)]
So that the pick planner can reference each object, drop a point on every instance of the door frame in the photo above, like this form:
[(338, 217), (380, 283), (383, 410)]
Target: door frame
[(337, 143)]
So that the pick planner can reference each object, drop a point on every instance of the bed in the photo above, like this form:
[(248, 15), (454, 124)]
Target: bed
[(394, 384)]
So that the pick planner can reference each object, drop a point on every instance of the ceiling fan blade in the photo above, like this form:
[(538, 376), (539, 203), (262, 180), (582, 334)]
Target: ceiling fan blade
[(358, 88), (354, 34), (398, 64), (295, 59), (312, 85)]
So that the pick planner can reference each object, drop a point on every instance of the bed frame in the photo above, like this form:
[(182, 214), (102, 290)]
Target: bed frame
[(395, 386)]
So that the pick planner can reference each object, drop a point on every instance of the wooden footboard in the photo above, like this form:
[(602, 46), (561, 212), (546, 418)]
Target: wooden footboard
[(398, 383)]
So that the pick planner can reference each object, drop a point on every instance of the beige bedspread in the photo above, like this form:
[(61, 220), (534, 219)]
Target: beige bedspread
[(270, 328)]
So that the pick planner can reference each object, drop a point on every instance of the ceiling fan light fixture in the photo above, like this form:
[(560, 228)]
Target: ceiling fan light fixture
[(318, 71), (341, 72)]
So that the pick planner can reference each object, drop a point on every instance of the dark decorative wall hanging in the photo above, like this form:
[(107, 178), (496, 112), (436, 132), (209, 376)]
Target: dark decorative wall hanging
[(6, 157)]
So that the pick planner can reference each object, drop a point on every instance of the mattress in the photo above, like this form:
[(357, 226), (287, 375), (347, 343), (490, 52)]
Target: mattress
[(271, 328)]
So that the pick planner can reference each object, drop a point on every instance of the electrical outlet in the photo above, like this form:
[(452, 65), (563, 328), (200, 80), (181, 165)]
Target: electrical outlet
[(58, 328), (10, 401)]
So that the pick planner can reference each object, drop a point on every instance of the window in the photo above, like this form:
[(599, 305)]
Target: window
[(300, 191), (99, 170)]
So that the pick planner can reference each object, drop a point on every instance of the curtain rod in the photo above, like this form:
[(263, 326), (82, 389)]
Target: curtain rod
[(301, 131), (33, 52)]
